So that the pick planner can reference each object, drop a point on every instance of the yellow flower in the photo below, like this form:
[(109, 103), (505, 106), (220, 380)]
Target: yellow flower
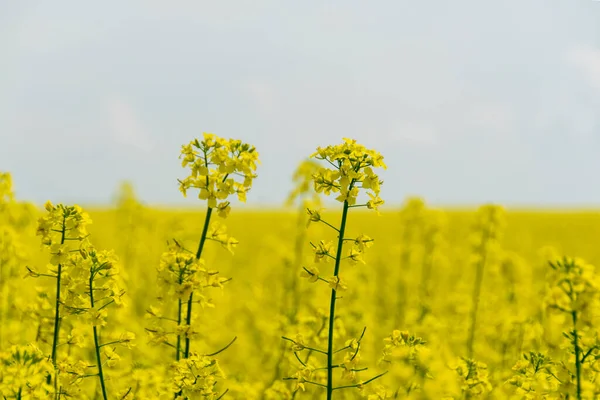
[(355, 255), (337, 284), (127, 339), (363, 242), (314, 216), (322, 250), (231, 244), (60, 253), (312, 273), (112, 358), (375, 202), (224, 208)]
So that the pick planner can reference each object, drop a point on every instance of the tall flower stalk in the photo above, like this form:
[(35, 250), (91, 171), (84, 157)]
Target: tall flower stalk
[(488, 228), (412, 216), (349, 170), (219, 168), (14, 218), (62, 229), (87, 284), (433, 240), (305, 197), (102, 292), (574, 290)]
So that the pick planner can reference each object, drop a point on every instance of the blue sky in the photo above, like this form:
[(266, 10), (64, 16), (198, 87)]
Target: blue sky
[(470, 101)]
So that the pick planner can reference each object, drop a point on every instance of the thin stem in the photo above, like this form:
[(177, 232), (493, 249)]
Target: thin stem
[(126, 393), (338, 259), (588, 353), (56, 315), (577, 352), (223, 349), (329, 225), (188, 319), (309, 382), (109, 343), (204, 232), (96, 341), (223, 394), (299, 360), (100, 372), (477, 293), (57, 305), (362, 383), (178, 351), (323, 324), (305, 347)]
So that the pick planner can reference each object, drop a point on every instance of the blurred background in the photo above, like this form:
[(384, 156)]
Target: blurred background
[(469, 101)]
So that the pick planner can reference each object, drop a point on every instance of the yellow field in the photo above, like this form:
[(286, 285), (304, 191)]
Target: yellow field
[(444, 304), (383, 295)]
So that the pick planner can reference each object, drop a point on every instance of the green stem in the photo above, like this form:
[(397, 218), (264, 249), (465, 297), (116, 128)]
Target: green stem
[(188, 319), (96, 341), (100, 372), (338, 258), (477, 294), (56, 315), (179, 311), (57, 305), (177, 355), (577, 353)]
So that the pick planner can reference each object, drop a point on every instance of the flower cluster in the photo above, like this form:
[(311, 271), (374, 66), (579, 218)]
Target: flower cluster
[(573, 287), (196, 377), (303, 178), (490, 221), (352, 169), (13, 212), (219, 168), (60, 224), (324, 251), (535, 376), (6, 191), (180, 273), (218, 233), (401, 345), (473, 377), (407, 357), (23, 373)]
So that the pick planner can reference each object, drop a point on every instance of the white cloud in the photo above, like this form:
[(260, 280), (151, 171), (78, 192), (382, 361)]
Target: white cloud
[(126, 128), (587, 59)]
